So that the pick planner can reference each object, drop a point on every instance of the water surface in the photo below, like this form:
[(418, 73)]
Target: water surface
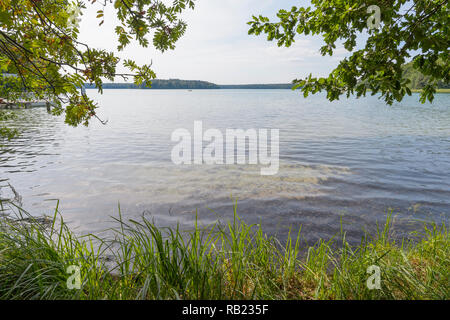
[(354, 158)]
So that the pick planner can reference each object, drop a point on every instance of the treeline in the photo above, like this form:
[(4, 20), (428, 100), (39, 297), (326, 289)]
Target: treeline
[(418, 80), (188, 84), (161, 84)]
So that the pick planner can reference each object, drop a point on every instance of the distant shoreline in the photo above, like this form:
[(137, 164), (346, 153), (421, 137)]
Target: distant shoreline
[(176, 84), (190, 85), (437, 90), (242, 88)]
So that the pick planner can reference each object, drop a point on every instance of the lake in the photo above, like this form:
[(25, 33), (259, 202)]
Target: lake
[(353, 159)]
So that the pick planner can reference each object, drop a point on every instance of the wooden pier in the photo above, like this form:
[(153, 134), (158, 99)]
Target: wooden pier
[(24, 104)]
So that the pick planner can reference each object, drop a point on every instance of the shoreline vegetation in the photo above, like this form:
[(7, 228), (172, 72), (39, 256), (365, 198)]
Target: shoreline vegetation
[(443, 90), (224, 261), (188, 85), (178, 84)]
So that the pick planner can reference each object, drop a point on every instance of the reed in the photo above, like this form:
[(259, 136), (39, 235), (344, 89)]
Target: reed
[(231, 261)]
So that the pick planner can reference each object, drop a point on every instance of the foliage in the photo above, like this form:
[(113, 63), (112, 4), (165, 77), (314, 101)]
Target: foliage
[(223, 261), (40, 52), (162, 84), (418, 80), (418, 29), (5, 131), (191, 84)]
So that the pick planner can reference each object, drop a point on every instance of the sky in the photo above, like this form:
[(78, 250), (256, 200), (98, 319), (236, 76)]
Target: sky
[(216, 46)]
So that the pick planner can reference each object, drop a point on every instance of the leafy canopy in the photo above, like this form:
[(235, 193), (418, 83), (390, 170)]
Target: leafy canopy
[(416, 30), (41, 55)]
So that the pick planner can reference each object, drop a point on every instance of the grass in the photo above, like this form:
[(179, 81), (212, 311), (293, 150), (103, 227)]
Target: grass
[(235, 261)]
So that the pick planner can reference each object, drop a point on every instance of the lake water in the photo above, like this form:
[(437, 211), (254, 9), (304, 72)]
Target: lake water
[(354, 159)]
